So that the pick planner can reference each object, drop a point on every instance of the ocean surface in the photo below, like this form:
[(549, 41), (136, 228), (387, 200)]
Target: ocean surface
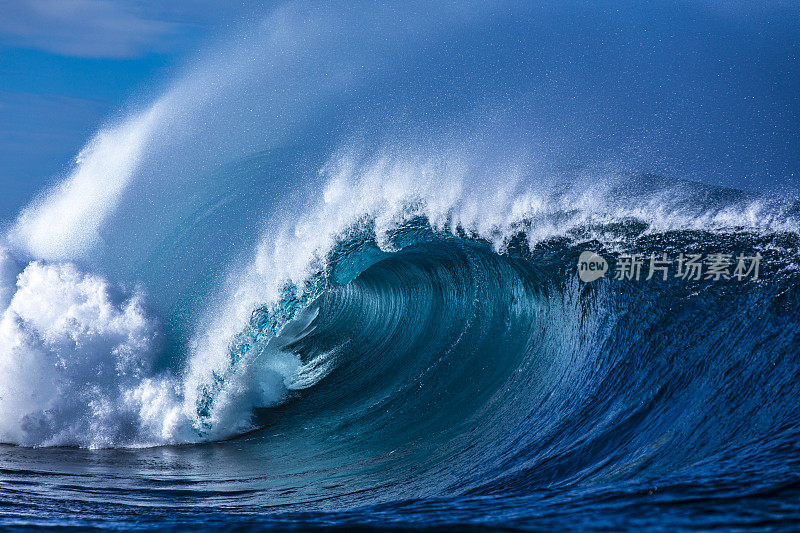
[(328, 276)]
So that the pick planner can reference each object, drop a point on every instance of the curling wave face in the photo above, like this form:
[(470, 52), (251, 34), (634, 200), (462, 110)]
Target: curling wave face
[(63, 329), (160, 321), (394, 323), (434, 367)]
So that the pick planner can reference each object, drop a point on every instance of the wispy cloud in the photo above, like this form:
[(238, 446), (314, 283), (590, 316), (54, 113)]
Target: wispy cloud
[(84, 28)]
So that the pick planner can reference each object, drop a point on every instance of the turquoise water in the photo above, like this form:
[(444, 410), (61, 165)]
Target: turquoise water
[(327, 276)]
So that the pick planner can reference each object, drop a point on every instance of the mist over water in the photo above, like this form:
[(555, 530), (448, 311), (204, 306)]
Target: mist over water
[(345, 237)]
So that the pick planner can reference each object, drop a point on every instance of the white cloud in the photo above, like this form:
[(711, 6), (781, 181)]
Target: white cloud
[(84, 28)]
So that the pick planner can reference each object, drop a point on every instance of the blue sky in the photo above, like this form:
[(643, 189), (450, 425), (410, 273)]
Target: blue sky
[(716, 84), (66, 66)]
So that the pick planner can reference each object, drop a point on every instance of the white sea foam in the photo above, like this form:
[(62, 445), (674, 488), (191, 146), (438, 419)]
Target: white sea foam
[(454, 190), (74, 359), (77, 359)]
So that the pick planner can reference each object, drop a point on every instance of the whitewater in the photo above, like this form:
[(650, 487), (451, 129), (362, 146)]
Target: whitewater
[(298, 279)]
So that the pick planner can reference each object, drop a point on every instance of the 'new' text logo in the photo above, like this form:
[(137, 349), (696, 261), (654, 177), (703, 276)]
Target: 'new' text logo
[(591, 267)]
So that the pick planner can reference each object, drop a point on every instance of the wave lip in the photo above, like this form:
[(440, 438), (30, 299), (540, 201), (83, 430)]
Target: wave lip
[(244, 193), (243, 358), (368, 209), (542, 380), (439, 370)]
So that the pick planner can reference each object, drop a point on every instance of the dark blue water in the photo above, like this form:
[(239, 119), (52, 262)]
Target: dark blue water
[(470, 388), (328, 277)]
